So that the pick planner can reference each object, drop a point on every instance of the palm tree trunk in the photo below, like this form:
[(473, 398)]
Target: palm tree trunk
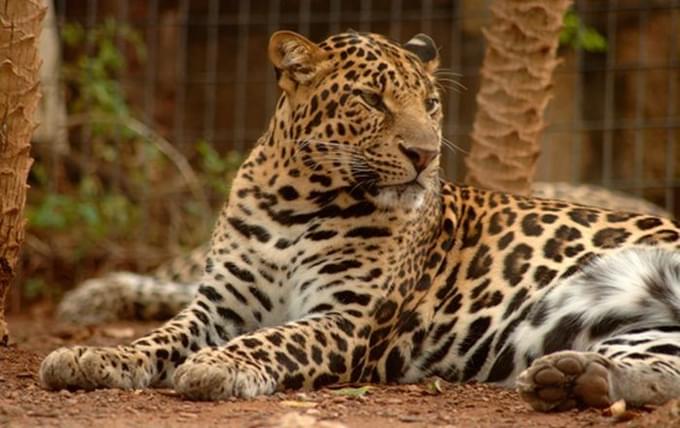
[(20, 22), (516, 82)]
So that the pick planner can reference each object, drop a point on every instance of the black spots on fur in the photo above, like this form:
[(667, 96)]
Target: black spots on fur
[(314, 122), (501, 220), (517, 300), (331, 108), (251, 342), (249, 230), (293, 381), (543, 276), (480, 264), (516, 263), (162, 354), (346, 326), (477, 329), (667, 349), (357, 362), (562, 336), (531, 225), (325, 379), (610, 322), (340, 342), (664, 235), (639, 356), (394, 366), (583, 216), (506, 240), (320, 337), (440, 353), (210, 293), (234, 292), (262, 298), (618, 217), (317, 356), (488, 300), (477, 359), (286, 361), (610, 237), (503, 366), (288, 193), (229, 315), (336, 363), (477, 291), (324, 180), (386, 311), (321, 235), (549, 218), (202, 317), (472, 234), (242, 274), (454, 304), (648, 223), (423, 283), (297, 353), (331, 268), (556, 247), (282, 244), (288, 217), (275, 338), (321, 307), (368, 232), (348, 297)]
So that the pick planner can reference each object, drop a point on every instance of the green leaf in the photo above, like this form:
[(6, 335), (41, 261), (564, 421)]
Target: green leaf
[(353, 392)]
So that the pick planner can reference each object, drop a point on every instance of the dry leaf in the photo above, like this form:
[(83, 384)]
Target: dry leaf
[(298, 404), (353, 392)]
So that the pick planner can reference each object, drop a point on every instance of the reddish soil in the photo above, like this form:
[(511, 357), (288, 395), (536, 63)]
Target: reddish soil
[(24, 403)]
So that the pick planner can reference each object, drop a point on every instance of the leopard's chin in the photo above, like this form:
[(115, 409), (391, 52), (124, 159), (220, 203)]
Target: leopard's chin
[(409, 196)]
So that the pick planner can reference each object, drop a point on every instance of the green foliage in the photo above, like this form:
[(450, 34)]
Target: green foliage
[(580, 36), (99, 62), (217, 171), (119, 180)]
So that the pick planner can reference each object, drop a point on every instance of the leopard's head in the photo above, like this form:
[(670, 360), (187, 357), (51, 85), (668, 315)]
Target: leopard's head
[(361, 112)]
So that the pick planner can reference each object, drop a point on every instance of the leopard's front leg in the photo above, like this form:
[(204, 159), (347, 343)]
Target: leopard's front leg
[(149, 361), (316, 351)]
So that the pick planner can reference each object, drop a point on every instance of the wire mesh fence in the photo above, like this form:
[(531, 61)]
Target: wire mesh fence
[(193, 76)]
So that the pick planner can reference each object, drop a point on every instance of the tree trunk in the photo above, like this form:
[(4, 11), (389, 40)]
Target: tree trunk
[(20, 22), (515, 89)]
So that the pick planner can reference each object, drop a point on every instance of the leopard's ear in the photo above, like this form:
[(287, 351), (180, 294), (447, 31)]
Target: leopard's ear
[(424, 47), (295, 59)]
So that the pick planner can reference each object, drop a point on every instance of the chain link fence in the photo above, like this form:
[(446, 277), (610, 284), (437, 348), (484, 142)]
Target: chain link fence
[(159, 97)]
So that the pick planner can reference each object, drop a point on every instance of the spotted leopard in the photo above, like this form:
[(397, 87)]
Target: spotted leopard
[(341, 256)]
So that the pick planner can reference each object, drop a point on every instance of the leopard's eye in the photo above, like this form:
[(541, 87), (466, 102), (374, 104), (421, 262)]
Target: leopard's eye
[(431, 103), (373, 99)]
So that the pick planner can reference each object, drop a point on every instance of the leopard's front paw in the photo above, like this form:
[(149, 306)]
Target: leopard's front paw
[(213, 374), (564, 380), (88, 368)]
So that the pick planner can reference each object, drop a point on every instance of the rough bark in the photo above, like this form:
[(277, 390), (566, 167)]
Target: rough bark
[(20, 23), (520, 57)]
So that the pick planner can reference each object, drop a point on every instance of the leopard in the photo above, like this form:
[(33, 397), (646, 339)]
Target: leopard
[(163, 292), (342, 257)]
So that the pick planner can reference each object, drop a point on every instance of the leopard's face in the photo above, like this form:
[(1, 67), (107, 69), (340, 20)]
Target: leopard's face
[(361, 112)]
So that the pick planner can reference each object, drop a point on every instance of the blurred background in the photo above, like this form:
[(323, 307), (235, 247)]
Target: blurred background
[(149, 107)]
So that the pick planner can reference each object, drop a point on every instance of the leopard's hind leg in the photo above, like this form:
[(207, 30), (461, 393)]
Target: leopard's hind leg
[(159, 295), (610, 332)]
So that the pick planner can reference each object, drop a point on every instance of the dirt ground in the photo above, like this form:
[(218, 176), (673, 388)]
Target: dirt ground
[(430, 404)]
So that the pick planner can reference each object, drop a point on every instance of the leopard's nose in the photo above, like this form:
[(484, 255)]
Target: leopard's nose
[(419, 157)]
